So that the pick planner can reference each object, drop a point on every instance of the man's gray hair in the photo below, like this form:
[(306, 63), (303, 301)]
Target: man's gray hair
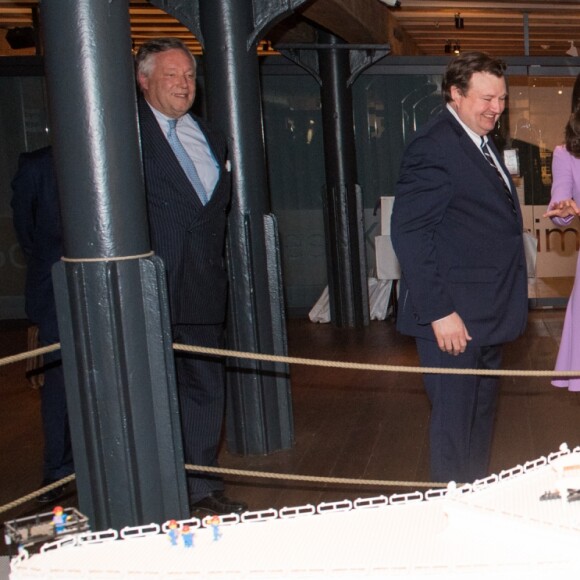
[(146, 52)]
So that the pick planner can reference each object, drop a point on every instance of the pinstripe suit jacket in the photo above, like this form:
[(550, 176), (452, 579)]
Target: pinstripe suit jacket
[(188, 236)]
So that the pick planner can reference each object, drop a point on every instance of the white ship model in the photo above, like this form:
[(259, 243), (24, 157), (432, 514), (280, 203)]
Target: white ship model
[(521, 523)]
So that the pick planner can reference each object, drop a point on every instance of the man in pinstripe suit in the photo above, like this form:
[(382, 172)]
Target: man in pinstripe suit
[(187, 224)]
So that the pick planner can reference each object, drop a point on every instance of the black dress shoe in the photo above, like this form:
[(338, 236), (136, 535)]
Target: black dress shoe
[(216, 503), (52, 494)]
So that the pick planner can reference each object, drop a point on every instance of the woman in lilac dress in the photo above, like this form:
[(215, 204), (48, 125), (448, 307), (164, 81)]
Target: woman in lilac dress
[(563, 209)]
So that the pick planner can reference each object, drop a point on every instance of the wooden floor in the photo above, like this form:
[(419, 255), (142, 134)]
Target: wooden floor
[(356, 424)]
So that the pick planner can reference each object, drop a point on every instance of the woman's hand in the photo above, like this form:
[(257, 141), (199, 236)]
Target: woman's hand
[(562, 209)]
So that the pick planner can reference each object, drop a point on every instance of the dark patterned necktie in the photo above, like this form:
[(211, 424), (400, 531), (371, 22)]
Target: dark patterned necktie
[(487, 154)]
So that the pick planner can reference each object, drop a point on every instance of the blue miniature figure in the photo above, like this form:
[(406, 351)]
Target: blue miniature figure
[(173, 532), (187, 536), (58, 519), (215, 522)]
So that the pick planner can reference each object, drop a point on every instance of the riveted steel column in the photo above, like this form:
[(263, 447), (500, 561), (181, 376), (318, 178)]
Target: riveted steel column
[(111, 298), (260, 411), (346, 263)]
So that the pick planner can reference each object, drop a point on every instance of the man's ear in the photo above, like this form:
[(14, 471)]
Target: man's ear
[(455, 93), (142, 81)]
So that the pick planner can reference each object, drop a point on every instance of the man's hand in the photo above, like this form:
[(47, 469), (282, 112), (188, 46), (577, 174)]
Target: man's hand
[(451, 334)]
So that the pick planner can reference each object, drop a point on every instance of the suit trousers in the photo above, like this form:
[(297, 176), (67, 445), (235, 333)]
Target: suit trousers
[(58, 460), (463, 411), (201, 390)]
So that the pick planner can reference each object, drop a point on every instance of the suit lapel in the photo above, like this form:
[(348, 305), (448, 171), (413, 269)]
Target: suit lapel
[(475, 154)]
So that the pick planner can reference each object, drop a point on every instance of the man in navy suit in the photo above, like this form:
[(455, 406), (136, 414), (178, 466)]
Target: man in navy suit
[(457, 231), (187, 219), (36, 217)]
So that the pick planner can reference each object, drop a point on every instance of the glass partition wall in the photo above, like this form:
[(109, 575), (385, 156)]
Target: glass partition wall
[(539, 108), (391, 100)]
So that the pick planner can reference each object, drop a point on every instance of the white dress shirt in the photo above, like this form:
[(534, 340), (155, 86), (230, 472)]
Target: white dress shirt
[(477, 140), (197, 147)]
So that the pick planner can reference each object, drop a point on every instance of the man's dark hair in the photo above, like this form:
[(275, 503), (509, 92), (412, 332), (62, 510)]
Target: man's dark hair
[(143, 59), (461, 69)]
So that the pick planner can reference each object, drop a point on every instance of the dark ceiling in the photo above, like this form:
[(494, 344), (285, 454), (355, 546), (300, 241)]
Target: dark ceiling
[(417, 27)]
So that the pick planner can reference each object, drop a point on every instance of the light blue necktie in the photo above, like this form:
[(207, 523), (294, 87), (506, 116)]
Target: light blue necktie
[(185, 161)]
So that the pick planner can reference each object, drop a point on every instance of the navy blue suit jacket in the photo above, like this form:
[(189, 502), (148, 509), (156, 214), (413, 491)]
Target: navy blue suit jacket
[(36, 217), (188, 236), (457, 239)]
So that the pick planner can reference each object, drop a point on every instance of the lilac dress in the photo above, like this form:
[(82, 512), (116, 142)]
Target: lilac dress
[(566, 185)]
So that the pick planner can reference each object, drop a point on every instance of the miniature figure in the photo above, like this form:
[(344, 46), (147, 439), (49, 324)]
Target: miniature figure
[(214, 522), (173, 532), (187, 536), (43, 527), (58, 519)]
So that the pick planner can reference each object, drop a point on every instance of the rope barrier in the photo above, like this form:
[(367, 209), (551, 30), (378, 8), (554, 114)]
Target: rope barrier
[(106, 259), (367, 366), (248, 473), (300, 361), (323, 363), (11, 505), (30, 354), (312, 478)]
